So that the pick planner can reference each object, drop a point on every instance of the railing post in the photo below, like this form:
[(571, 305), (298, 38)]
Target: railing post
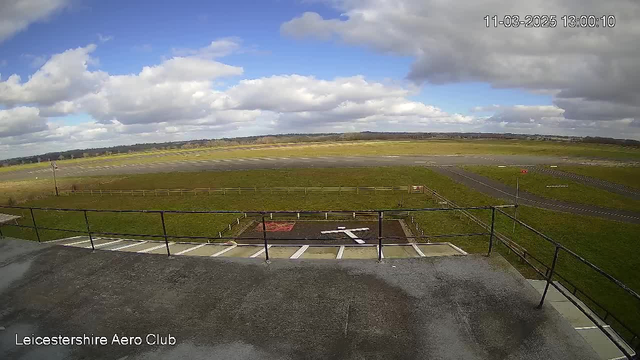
[(33, 218), (1, 235), (264, 237), (493, 220), (164, 232), (379, 235), (550, 277), (86, 221)]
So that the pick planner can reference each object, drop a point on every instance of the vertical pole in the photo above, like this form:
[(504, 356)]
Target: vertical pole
[(264, 236), (55, 182), (549, 277), (515, 211), (1, 235), (493, 220), (33, 218), (164, 231), (86, 221), (379, 235)]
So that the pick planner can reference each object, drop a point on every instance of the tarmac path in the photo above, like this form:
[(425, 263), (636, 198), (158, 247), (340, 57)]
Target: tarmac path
[(287, 162), (499, 190)]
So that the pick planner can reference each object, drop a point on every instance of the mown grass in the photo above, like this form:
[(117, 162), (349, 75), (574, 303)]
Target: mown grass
[(421, 147), (608, 244), (624, 175), (536, 183)]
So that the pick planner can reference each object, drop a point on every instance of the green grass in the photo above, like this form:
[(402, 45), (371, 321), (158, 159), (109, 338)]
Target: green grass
[(422, 147), (624, 175), (536, 183), (608, 244)]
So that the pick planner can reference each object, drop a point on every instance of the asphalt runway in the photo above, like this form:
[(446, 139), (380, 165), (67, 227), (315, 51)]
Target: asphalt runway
[(288, 162), (499, 190)]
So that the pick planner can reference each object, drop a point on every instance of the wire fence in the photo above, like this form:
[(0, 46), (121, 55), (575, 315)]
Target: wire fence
[(244, 190)]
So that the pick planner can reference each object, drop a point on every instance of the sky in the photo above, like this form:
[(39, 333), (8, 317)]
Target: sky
[(86, 73)]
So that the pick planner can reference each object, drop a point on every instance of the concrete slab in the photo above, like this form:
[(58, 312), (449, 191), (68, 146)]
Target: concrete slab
[(438, 250), (576, 317), (123, 243), (142, 246), (173, 248), (207, 250), (282, 252), (244, 251), (467, 307), (357, 252), (601, 344), (392, 252), (320, 252)]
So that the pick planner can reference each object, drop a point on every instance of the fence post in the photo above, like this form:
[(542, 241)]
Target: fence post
[(379, 235), (264, 236), (1, 235), (33, 218), (493, 219), (164, 232), (86, 221), (550, 277)]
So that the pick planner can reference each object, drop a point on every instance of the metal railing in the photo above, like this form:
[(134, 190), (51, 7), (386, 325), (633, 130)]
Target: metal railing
[(379, 214), (241, 190)]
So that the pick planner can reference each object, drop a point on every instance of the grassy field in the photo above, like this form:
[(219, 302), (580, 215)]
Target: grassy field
[(605, 243), (536, 183), (423, 147), (624, 175)]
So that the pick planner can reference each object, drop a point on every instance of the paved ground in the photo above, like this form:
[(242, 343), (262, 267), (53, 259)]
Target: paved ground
[(469, 307), (602, 184), (499, 190), (293, 232), (289, 162)]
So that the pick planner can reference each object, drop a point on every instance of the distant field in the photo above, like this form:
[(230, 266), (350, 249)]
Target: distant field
[(624, 175), (536, 183), (423, 147), (608, 244)]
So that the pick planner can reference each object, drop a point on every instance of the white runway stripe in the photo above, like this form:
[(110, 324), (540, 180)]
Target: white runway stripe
[(299, 253), (190, 249), (105, 244), (224, 251), (153, 248), (128, 246), (259, 252)]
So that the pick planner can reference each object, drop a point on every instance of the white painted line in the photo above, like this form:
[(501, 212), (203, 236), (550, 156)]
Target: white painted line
[(69, 238), (457, 248), (259, 252), (417, 249), (340, 252), (105, 244), (128, 246), (591, 327), (501, 166), (76, 243), (224, 251), (153, 248), (299, 253), (190, 249)]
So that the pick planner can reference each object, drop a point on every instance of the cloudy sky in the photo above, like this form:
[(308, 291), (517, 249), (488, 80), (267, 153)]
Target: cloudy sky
[(83, 73)]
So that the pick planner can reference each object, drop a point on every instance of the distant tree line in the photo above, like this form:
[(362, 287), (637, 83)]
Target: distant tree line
[(299, 138)]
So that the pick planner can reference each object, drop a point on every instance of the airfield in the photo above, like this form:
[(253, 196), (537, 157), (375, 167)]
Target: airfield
[(186, 227)]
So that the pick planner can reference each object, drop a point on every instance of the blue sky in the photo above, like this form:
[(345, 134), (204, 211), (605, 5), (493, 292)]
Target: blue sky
[(409, 67)]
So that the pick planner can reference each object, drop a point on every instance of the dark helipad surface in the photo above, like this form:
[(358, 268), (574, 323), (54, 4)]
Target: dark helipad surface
[(309, 232), (466, 307)]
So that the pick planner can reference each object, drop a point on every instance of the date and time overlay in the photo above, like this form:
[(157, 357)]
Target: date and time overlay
[(551, 21)]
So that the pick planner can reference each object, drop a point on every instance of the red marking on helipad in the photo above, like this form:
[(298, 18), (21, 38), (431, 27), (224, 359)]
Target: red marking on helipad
[(276, 226)]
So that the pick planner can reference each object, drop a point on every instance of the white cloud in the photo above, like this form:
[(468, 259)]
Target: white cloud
[(105, 38), (216, 49), (452, 44), (17, 15), (19, 121), (63, 77)]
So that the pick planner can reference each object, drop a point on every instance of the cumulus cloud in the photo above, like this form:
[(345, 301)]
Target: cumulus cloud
[(452, 44), (17, 15), (216, 49), (63, 77), (21, 120)]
